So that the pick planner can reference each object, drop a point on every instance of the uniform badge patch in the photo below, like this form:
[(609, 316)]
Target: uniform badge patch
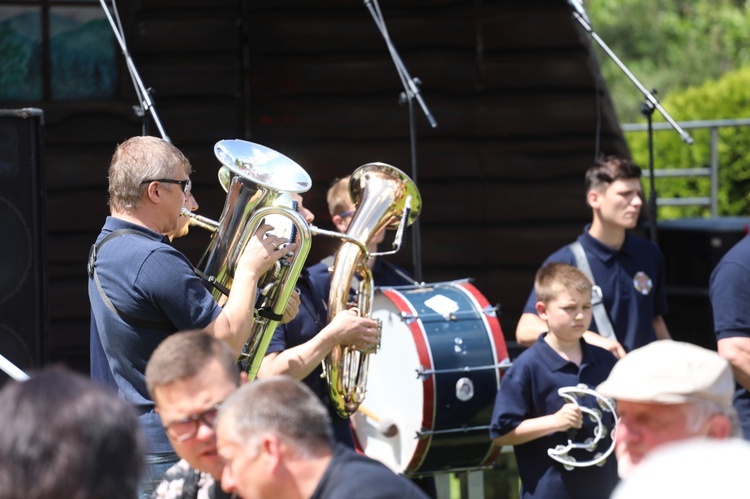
[(642, 282)]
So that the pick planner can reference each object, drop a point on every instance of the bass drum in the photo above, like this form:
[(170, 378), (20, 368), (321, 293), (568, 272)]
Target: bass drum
[(432, 384)]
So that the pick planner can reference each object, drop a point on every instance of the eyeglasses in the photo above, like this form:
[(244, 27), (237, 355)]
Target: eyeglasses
[(188, 427), (184, 184), (347, 213)]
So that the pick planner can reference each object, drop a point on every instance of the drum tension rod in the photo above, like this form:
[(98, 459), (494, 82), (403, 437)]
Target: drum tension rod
[(425, 432), (434, 317), (421, 373)]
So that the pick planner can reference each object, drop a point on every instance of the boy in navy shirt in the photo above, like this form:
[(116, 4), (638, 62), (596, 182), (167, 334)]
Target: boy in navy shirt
[(529, 413)]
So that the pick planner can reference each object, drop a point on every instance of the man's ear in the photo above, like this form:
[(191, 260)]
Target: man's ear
[(593, 198), (154, 192), (541, 310), (271, 449), (243, 378), (339, 223)]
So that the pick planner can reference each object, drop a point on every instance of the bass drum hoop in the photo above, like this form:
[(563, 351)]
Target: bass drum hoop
[(400, 317)]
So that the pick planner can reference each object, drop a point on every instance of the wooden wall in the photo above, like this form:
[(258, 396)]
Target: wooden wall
[(511, 85), (512, 89)]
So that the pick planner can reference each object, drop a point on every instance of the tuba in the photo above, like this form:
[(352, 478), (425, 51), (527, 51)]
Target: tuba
[(385, 198), (258, 182)]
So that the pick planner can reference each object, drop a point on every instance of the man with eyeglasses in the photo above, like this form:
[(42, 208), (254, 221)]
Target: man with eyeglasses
[(188, 376), (342, 210), (142, 289)]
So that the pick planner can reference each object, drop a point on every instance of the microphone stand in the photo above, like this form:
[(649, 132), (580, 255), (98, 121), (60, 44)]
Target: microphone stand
[(647, 109), (12, 370), (411, 92), (144, 95)]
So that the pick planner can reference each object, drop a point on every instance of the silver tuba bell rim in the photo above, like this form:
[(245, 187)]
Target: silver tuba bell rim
[(255, 163)]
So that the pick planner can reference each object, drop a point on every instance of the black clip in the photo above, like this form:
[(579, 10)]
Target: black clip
[(91, 264)]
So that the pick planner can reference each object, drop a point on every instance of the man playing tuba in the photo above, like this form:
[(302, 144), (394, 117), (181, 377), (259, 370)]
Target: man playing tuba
[(142, 289), (298, 348)]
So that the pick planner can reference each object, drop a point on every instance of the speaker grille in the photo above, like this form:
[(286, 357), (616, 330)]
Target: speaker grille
[(23, 276)]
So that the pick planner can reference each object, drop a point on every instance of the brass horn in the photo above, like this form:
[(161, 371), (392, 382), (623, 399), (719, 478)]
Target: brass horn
[(385, 198), (199, 221), (258, 182)]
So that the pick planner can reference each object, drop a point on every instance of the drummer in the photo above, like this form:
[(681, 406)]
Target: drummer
[(298, 348)]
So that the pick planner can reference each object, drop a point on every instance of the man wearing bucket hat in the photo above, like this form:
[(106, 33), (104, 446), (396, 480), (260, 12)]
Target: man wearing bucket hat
[(669, 391)]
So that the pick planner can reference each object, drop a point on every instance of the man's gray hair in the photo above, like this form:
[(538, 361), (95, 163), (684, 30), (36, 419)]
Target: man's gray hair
[(282, 406), (699, 412), (139, 159)]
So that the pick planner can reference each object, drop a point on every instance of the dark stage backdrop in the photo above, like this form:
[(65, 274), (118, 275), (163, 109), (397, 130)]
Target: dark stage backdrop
[(513, 87)]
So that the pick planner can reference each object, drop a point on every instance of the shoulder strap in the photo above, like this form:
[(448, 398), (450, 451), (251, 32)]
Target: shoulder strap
[(128, 319), (597, 302)]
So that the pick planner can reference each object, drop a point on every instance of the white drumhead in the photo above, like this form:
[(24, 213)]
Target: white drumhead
[(394, 393)]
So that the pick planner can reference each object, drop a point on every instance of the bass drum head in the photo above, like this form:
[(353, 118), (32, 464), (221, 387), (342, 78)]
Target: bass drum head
[(390, 417)]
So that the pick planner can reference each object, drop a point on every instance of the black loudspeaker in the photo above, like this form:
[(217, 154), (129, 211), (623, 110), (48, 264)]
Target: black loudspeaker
[(23, 266), (692, 248)]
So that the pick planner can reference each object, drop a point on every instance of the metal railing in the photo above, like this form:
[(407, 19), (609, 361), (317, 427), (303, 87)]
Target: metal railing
[(712, 171)]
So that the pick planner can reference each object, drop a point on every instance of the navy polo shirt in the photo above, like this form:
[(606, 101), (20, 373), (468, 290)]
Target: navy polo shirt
[(314, 285), (633, 284), (529, 390), (730, 299), (384, 274), (145, 278), (352, 475), (312, 317)]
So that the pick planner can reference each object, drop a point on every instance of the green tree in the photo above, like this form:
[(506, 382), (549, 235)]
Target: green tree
[(668, 45)]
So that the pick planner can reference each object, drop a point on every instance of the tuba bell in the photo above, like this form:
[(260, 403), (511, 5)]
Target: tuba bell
[(385, 197), (258, 182)]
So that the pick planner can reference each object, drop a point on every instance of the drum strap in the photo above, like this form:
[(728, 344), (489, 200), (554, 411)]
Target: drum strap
[(597, 298)]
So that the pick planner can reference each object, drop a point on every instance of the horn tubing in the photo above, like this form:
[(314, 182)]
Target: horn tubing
[(199, 221), (263, 327), (380, 192)]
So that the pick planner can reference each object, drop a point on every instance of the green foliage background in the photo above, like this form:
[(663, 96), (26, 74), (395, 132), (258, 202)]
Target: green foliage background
[(696, 53)]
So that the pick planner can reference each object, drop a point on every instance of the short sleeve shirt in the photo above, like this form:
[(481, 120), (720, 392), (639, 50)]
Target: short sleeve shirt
[(312, 317), (529, 390), (183, 482), (632, 280), (149, 280), (352, 475), (730, 298)]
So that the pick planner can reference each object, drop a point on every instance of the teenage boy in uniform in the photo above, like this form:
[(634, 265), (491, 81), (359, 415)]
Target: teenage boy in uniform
[(531, 416), (628, 270)]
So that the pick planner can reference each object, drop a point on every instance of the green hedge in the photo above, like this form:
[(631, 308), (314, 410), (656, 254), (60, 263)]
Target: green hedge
[(726, 98)]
